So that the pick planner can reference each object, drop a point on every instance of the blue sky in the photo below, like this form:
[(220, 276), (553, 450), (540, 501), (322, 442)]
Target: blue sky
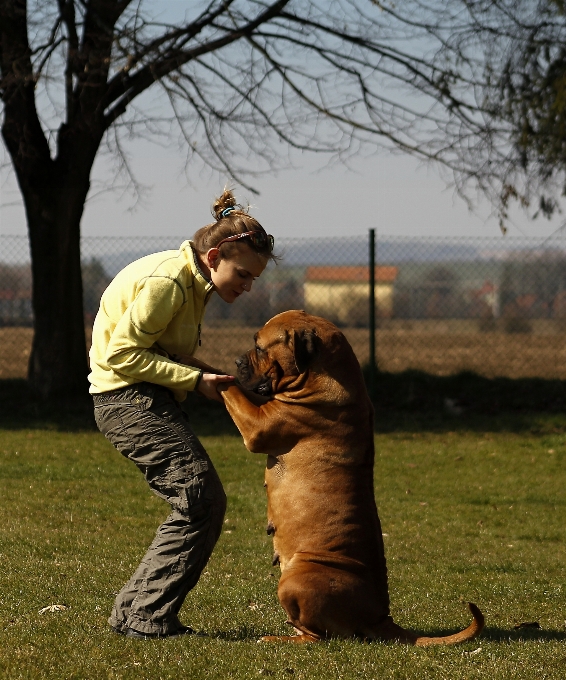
[(394, 194)]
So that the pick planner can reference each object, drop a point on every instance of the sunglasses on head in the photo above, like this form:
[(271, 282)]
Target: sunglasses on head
[(259, 238)]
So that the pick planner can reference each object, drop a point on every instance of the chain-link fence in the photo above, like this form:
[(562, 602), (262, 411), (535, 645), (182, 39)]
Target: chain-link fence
[(496, 307)]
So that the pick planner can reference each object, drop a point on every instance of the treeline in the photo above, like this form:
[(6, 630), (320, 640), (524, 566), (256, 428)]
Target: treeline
[(16, 292)]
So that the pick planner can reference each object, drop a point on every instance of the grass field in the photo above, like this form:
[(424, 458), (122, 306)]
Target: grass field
[(473, 508)]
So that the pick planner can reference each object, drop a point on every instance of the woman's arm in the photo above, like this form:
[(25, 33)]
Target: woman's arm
[(131, 347), (188, 360)]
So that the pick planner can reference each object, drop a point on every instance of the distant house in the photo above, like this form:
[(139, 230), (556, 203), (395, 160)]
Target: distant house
[(341, 293)]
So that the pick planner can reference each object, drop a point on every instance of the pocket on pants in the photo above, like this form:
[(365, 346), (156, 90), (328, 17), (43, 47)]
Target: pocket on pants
[(182, 484), (110, 423)]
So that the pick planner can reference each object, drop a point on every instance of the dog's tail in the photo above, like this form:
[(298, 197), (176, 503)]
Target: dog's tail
[(391, 631), (469, 633)]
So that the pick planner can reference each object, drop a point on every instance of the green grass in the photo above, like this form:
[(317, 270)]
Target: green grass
[(472, 509)]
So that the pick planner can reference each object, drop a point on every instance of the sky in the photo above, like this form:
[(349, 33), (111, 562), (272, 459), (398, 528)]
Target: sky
[(394, 194)]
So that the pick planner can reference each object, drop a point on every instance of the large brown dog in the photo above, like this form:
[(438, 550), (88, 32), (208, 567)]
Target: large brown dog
[(315, 421)]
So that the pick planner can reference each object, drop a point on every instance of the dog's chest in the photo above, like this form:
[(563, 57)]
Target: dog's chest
[(274, 471)]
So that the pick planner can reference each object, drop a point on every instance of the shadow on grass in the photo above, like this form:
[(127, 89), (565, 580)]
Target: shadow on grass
[(417, 401), (242, 634), (522, 635), (21, 409), (245, 634), (412, 401)]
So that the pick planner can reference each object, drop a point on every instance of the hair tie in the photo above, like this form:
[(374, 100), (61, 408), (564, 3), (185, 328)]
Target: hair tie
[(227, 211)]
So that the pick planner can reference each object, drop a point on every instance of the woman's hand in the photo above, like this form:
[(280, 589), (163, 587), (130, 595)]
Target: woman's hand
[(209, 383)]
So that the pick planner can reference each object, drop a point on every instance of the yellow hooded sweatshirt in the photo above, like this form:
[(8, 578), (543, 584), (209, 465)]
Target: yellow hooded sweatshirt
[(151, 310)]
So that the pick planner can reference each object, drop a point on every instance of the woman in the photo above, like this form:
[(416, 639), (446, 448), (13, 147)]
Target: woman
[(144, 334)]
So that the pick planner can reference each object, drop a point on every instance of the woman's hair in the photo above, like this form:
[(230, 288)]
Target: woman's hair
[(230, 223)]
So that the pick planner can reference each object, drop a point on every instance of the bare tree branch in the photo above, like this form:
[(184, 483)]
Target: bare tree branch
[(131, 86)]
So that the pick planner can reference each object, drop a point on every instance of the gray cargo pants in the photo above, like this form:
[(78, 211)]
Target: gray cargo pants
[(147, 426)]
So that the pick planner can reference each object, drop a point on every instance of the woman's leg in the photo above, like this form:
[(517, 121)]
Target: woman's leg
[(148, 426)]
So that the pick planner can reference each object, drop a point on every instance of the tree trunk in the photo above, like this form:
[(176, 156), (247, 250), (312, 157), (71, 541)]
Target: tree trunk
[(58, 364), (54, 191)]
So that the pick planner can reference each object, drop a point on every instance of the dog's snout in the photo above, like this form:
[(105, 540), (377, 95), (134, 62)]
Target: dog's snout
[(241, 361)]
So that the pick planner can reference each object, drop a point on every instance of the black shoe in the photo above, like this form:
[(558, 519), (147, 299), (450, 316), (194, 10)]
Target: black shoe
[(183, 630), (118, 631)]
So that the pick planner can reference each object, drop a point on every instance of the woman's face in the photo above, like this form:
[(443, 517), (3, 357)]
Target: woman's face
[(233, 276)]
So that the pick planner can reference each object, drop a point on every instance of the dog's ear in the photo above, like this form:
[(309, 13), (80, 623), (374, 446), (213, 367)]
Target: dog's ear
[(304, 348)]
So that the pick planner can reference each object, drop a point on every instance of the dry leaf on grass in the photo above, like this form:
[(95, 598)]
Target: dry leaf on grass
[(475, 651), (53, 608)]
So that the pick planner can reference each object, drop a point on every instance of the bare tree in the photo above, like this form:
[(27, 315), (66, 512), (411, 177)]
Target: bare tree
[(527, 97), (502, 64), (242, 80)]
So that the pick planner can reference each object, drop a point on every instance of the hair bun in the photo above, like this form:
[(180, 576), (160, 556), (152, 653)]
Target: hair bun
[(227, 200)]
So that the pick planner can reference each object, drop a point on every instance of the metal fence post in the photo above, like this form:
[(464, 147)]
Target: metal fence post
[(372, 362)]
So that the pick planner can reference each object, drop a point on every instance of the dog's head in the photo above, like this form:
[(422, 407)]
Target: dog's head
[(292, 350)]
